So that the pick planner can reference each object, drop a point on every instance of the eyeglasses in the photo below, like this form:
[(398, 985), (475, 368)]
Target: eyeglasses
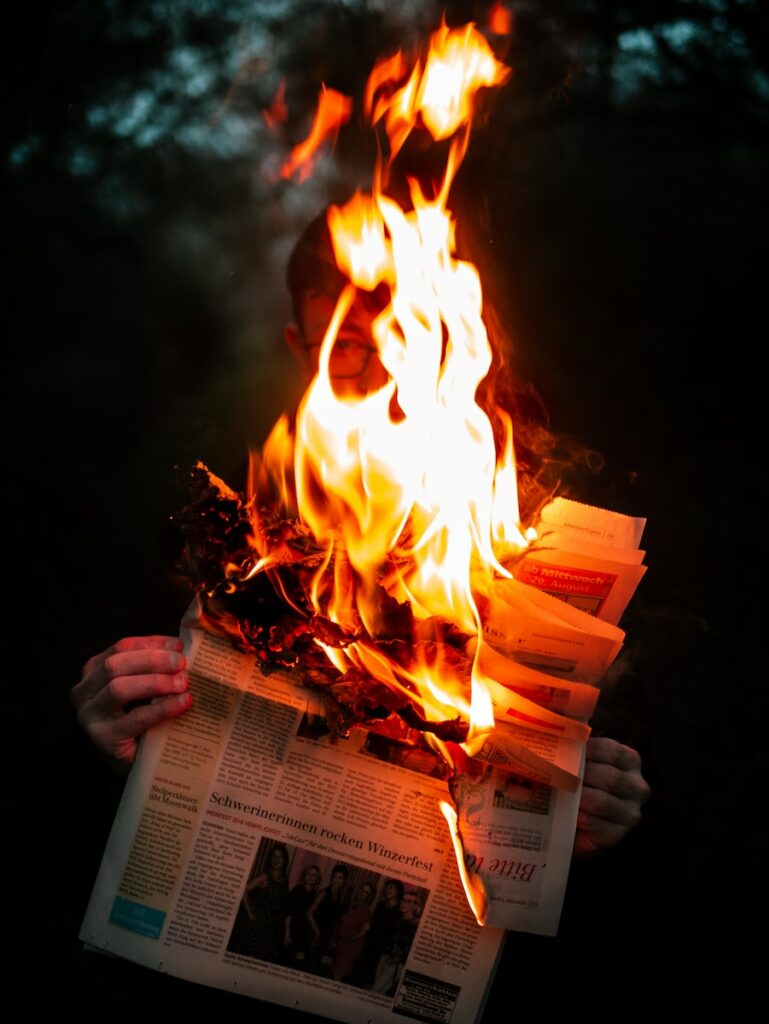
[(349, 359)]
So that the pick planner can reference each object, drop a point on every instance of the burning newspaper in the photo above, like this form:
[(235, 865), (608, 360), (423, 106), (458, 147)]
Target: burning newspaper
[(379, 550), (541, 655), (241, 814)]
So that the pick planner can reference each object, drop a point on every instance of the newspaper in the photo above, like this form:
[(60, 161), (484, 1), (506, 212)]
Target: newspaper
[(550, 634), (252, 848), (517, 799), (235, 819)]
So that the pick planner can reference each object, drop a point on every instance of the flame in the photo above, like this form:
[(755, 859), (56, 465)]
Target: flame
[(401, 483), (406, 483), (439, 92), (277, 112), (500, 20), (471, 883), (459, 63), (358, 237), (333, 111)]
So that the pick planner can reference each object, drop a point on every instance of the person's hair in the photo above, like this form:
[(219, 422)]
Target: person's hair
[(398, 886), (284, 852), (312, 265), (416, 898), (310, 867)]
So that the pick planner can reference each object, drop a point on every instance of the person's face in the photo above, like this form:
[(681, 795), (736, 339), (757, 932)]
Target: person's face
[(277, 860), (337, 880), (364, 893), (409, 905), (518, 790), (354, 367), (391, 892), (311, 878)]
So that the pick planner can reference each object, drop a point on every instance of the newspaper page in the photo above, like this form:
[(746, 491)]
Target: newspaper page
[(252, 849), (251, 853), (517, 832), (599, 586), (551, 634), (517, 799), (547, 634), (585, 556), (597, 525)]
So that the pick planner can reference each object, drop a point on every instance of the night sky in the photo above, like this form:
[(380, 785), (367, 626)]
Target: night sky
[(616, 197)]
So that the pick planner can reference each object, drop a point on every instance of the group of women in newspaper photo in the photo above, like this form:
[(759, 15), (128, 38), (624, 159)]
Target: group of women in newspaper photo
[(327, 918)]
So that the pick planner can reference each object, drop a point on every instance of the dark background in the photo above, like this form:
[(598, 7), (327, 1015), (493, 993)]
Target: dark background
[(618, 194)]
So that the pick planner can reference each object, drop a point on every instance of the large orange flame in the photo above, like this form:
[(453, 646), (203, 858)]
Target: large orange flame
[(406, 483), (403, 486)]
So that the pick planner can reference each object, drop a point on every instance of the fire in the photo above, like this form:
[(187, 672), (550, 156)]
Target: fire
[(500, 20), (381, 527), (439, 92), (403, 487), (472, 883), (333, 111), (397, 514), (458, 64), (277, 112)]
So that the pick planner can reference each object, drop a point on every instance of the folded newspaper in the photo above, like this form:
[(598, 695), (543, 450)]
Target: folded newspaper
[(254, 850)]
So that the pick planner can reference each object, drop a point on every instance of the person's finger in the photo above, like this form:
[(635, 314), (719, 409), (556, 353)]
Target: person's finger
[(133, 643), (139, 643), (627, 785), (597, 804), (115, 665), (607, 751), (137, 721), (596, 834), (113, 698), (118, 737)]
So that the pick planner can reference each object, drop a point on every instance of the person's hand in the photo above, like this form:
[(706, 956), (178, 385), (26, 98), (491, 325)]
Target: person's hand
[(134, 684), (612, 796)]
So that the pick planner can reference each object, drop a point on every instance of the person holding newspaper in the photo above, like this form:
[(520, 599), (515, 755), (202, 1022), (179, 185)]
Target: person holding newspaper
[(139, 682)]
